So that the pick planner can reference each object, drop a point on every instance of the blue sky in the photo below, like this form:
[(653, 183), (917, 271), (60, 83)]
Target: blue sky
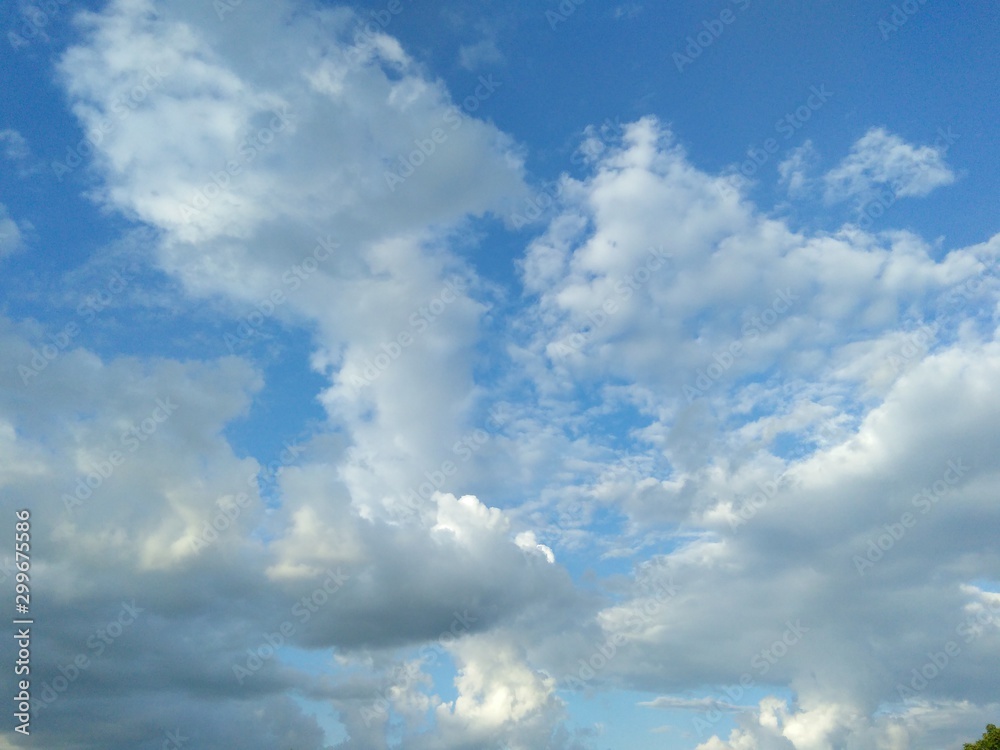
[(633, 365)]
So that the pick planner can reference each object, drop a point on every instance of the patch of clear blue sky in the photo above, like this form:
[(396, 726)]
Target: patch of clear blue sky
[(937, 70), (625, 724)]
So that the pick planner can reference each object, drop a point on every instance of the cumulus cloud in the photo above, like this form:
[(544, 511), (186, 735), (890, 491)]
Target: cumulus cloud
[(329, 578), (784, 333), (244, 195), (216, 150), (882, 159), (304, 177), (613, 297)]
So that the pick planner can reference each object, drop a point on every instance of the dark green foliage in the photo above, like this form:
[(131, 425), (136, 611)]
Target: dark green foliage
[(990, 740)]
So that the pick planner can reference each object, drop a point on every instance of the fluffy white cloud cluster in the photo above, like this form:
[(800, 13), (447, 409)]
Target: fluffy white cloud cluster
[(880, 159), (839, 569)]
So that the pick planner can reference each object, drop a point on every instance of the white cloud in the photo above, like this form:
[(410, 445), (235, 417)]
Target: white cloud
[(499, 696), (15, 147), (11, 238), (462, 562), (220, 150), (627, 10), (699, 704), (357, 111), (881, 159), (921, 727), (482, 54), (823, 356), (794, 169), (610, 307)]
